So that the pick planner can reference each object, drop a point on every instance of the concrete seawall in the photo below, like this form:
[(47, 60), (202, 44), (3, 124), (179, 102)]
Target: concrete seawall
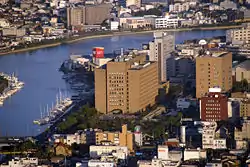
[(113, 34)]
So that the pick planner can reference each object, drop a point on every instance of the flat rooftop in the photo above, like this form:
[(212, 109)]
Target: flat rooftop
[(215, 54), (245, 65)]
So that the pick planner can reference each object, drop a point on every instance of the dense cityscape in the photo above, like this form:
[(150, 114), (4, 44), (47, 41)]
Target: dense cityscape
[(168, 103)]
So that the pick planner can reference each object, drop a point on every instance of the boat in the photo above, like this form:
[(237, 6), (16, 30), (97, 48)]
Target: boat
[(14, 85), (62, 106)]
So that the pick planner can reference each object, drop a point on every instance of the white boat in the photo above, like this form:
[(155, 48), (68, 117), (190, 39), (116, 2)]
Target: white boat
[(56, 111)]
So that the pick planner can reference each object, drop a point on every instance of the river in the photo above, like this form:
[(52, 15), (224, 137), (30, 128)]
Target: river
[(39, 70)]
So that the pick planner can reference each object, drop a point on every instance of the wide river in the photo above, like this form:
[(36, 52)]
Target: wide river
[(39, 70)]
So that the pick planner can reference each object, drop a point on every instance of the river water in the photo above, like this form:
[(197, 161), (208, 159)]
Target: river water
[(39, 70)]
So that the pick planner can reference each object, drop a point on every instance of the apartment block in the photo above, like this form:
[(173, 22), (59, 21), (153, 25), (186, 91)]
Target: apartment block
[(76, 16), (87, 15), (123, 138), (245, 108), (213, 69), (128, 84), (214, 106), (160, 51), (239, 36)]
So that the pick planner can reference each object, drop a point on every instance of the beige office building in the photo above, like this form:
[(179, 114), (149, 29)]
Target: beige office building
[(128, 84), (213, 70), (123, 138)]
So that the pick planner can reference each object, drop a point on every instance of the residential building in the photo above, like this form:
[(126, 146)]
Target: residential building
[(134, 22), (213, 70), (22, 162), (209, 137), (62, 149), (13, 31), (133, 2), (123, 138), (214, 106), (194, 154), (76, 16), (160, 51), (242, 71), (87, 136), (87, 15), (128, 84), (239, 36), (245, 108), (165, 158), (97, 151), (166, 22), (179, 7)]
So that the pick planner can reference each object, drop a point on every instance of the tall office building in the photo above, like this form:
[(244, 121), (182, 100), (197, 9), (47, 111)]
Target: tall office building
[(213, 70), (160, 51), (127, 84)]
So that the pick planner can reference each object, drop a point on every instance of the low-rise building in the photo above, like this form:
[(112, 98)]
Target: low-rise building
[(123, 138), (22, 162), (242, 71), (179, 7), (209, 137), (13, 31), (195, 154), (120, 152), (166, 22)]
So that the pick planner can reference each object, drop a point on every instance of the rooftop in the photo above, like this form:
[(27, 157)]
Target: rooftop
[(215, 54), (245, 65)]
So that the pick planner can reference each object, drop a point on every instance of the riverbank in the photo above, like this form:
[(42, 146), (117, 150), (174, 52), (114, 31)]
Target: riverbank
[(110, 34)]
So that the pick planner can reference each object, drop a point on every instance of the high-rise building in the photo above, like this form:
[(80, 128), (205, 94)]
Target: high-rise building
[(214, 106), (127, 84), (133, 2), (123, 138), (160, 51), (213, 70)]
